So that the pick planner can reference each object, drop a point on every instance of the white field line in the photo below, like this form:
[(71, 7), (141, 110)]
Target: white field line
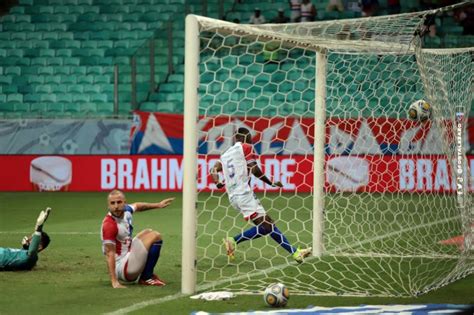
[(144, 304), (204, 287), (380, 255)]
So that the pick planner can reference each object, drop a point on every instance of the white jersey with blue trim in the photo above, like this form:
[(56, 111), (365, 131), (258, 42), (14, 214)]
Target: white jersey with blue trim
[(234, 165)]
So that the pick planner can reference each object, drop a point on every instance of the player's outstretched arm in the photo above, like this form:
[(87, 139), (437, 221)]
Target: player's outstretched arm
[(215, 174), (110, 259), (257, 172), (143, 206), (43, 216)]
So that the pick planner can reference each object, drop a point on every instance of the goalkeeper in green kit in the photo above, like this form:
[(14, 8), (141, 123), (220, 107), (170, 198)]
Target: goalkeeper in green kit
[(12, 259)]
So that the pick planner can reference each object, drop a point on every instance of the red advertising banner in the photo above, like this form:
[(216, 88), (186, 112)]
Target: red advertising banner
[(373, 173)]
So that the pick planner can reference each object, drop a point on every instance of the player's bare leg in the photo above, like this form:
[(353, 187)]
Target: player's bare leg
[(142, 234)]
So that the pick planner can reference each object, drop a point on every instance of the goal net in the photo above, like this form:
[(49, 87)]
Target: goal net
[(385, 201)]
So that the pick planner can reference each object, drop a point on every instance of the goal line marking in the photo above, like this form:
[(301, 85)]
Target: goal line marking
[(204, 287)]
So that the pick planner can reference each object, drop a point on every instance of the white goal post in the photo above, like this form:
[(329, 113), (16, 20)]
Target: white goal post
[(337, 83)]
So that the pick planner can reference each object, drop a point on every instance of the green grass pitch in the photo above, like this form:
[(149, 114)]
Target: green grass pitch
[(71, 275)]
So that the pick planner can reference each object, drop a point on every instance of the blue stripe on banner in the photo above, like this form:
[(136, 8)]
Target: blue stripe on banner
[(418, 309)]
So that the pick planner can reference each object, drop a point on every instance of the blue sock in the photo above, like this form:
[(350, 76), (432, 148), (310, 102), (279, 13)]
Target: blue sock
[(281, 239), (251, 234), (152, 259)]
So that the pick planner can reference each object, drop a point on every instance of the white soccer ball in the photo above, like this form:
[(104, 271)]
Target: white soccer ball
[(420, 110), (276, 295)]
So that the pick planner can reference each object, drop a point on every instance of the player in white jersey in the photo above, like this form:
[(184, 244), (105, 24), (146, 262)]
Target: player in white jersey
[(237, 163), (130, 259)]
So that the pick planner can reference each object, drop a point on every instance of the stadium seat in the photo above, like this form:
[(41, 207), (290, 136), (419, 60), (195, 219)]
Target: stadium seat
[(98, 98), (88, 109), (15, 98), (38, 107), (55, 108), (148, 107), (64, 98), (80, 98), (105, 109)]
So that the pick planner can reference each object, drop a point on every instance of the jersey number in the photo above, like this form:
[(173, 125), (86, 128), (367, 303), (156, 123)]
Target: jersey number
[(231, 168)]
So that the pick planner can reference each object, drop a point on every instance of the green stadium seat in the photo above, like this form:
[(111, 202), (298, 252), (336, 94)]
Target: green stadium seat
[(44, 88), (13, 70), (15, 52), (75, 89), (71, 61), (61, 9), (55, 108), (45, 70), (58, 89), (113, 17), (38, 107), (6, 107), (166, 107), (4, 36), (18, 9), (125, 109), (91, 88), (71, 108), (95, 70), (39, 61), (48, 98), (88, 109), (62, 70), (80, 98), (6, 79), (85, 79), (101, 79), (105, 109), (71, 44), (15, 98), (21, 36), (148, 107), (64, 98), (98, 98)]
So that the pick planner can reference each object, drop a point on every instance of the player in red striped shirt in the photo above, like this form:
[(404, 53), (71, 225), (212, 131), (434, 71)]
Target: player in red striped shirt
[(130, 259)]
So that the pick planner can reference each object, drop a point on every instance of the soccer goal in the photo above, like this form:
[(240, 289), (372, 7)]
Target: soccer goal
[(382, 199)]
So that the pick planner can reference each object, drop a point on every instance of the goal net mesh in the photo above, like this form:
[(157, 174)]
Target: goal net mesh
[(390, 187)]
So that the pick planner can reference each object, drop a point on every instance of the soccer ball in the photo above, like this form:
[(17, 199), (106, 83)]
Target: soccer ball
[(419, 110), (276, 295)]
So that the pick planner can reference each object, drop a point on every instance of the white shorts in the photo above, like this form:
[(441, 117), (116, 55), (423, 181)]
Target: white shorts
[(249, 205), (130, 267)]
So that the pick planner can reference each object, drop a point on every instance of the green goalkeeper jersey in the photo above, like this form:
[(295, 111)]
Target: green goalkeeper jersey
[(20, 259)]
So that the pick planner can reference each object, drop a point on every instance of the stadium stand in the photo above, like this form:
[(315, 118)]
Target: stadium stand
[(57, 57)]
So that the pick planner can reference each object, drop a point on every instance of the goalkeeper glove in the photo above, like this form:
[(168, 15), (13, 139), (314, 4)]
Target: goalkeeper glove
[(41, 219), (25, 242)]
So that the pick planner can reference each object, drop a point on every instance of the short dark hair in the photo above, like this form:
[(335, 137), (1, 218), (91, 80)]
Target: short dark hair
[(45, 240), (243, 135)]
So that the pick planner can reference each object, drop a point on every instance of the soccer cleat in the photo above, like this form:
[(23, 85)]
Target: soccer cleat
[(230, 245), (300, 254), (152, 282), (155, 277)]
